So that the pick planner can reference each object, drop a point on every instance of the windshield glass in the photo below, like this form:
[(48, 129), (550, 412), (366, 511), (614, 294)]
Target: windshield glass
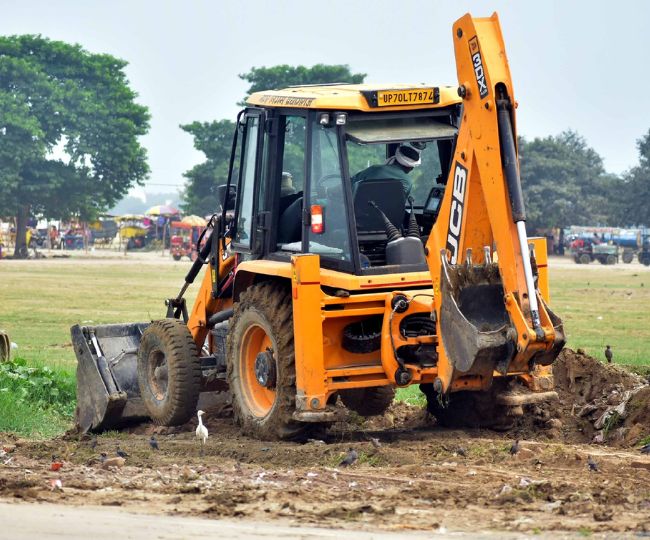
[(371, 145)]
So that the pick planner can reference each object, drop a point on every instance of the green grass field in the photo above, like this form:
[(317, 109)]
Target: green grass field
[(42, 299)]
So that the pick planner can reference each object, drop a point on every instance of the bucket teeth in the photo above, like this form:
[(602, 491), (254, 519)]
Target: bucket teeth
[(468, 258), (487, 256)]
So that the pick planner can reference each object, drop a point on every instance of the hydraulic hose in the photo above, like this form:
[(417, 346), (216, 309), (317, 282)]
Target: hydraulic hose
[(515, 194)]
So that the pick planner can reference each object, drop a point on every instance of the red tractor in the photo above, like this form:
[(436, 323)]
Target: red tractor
[(183, 240)]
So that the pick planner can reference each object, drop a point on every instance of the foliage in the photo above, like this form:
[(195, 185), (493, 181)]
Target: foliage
[(214, 139), (282, 76), (70, 128), (634, 197), (40, 386), (35, 399), (564, 182)]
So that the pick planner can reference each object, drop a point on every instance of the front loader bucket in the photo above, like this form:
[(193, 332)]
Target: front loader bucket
[(476, 331), (108, 395)]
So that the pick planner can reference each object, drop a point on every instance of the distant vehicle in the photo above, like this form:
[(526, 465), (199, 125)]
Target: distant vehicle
[(103, 231), (73, 239), (586, 252), (183, 239)]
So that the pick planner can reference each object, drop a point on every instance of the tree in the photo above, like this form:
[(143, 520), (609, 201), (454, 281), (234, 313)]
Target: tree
[(214, 139), (69, 131), (634, 195), (564, 182), (281, 76)]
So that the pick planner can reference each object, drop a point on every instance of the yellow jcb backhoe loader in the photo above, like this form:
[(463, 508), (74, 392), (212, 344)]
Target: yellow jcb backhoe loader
[(369, 238)]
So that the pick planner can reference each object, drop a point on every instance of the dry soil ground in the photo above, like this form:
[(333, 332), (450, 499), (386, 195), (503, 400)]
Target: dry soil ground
[(420, 477)]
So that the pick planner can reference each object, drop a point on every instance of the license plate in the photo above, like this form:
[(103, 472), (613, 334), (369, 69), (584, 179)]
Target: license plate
[(392, 98)]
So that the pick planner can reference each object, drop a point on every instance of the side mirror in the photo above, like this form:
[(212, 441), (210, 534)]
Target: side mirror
[(226, 197)]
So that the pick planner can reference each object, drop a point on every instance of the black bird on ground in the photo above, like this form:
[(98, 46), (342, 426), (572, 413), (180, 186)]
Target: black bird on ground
[(645, 449), (103, 457), (121, 453), (514, 449), (608, 354), (593, 466), (153, 443), (349, 458)]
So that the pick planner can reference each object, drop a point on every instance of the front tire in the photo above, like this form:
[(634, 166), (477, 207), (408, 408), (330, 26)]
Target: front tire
[(169, 372), (260, 336)]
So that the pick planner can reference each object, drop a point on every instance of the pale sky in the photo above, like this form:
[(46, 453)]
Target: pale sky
[(575, 64)]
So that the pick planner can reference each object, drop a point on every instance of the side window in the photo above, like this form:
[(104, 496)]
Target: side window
[(293, 158), (327, 194), (245, 193)]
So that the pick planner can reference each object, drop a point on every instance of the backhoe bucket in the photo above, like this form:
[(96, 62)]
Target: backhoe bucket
[(476, 331), (108, 395)]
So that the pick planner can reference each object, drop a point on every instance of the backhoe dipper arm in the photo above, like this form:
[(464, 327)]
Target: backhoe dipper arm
[(489, 315)]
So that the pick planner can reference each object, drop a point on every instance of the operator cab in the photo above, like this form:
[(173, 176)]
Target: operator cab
[(335, 181)]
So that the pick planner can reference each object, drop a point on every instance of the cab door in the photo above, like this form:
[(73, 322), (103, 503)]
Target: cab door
[(249, 183)]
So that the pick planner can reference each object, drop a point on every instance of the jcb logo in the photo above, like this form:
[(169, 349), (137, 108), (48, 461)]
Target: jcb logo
[(479, 72), (456, 212)]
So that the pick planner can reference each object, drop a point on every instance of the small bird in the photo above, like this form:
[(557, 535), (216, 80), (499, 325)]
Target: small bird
[(593, 466), (121, 453), (645, 449), (608, 354), (201, 431), (153, 443), (56, 485), (103, 457), (56, 463), (375, 442), (461, 451), (514, 449), (93, 443), (349, 458)]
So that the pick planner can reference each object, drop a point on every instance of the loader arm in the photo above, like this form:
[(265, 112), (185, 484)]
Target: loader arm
[(489, 315)]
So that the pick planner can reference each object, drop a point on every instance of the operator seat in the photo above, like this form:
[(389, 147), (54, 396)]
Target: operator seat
[(388, 195)]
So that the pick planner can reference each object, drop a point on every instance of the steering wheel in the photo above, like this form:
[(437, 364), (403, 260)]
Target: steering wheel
[(321, 183)]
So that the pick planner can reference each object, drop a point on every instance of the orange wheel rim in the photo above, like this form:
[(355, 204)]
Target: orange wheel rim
[(259, 399)]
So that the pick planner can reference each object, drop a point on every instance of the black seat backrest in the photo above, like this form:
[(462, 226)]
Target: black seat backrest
[(387, 194), (290, 223)]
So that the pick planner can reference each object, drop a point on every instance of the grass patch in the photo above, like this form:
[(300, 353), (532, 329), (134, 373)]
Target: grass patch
[(604, 306), (37, 401), (411, 395)]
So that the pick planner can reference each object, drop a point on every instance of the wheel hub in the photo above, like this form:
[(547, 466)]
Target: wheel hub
[(265, 368)]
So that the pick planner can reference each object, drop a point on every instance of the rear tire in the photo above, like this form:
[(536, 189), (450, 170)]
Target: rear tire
[(611, 259), (371, 401), (584, 259), (628, 256), (467, 409), (263, 324), (169, 372)]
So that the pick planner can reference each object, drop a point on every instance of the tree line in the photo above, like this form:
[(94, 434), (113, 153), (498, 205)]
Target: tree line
[(69, 144)]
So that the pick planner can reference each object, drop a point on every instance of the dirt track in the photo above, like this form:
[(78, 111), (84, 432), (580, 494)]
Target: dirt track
[(419, 477)]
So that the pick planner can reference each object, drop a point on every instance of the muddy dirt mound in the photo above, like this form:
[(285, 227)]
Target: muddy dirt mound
[(599, 403)]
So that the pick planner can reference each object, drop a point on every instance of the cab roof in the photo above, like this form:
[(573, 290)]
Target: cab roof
[(358, 97)]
